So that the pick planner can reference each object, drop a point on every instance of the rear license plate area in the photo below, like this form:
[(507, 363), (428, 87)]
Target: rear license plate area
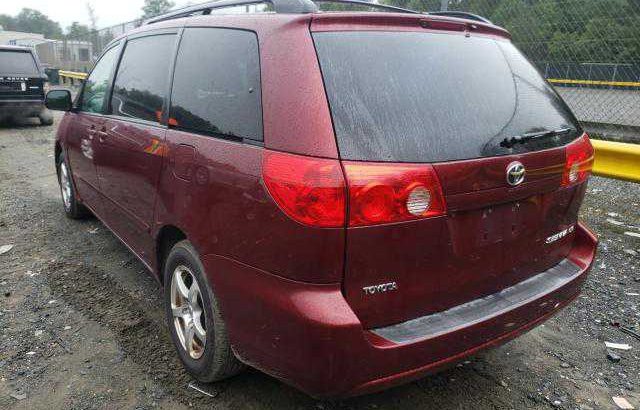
[(8, 86)]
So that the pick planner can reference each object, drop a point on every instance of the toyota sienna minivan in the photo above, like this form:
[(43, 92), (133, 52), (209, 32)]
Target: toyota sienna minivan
[(344, 200)]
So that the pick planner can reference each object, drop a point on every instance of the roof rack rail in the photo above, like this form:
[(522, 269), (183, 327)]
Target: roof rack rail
[(298, 7), (369, 4), (280, 6), (461, 14)]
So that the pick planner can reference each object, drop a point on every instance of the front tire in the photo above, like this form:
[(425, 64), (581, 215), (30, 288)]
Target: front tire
[(193, 315), (72, 208)]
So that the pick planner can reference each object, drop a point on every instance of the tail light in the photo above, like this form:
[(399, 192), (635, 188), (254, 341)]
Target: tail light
[(309, 190), (384, 193), (579, 161)]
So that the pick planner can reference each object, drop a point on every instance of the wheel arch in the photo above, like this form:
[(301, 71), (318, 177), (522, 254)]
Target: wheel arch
[(57, 152), (167, 236)]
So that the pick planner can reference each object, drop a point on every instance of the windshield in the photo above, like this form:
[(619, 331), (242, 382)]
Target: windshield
[(430, 97), (17, 63)]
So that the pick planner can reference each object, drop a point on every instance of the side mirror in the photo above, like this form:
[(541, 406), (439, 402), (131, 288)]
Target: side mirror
[(58, 100)]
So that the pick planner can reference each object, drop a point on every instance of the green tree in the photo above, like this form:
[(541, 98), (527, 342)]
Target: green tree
[(420, 5), (559, 31), (33, 21), (93, 19), (77, 31), (154, 7), (104, 39), (7, 22)]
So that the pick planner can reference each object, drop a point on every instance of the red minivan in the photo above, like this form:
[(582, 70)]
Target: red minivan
[(344, 200)]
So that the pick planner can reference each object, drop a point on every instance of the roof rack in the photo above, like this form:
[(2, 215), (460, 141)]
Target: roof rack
[(461, 14), (296, 7)]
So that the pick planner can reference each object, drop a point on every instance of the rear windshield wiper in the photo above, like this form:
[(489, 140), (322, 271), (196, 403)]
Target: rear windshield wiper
[(509, 142)]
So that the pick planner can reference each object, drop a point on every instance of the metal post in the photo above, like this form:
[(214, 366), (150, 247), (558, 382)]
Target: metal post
[(546, 70), (444, 5)]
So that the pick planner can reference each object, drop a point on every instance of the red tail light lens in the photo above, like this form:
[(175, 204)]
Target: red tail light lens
[(579, 161), (309, 190), (384, 193)]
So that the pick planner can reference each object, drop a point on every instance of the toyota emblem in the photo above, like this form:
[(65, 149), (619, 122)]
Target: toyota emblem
[(515, 173)]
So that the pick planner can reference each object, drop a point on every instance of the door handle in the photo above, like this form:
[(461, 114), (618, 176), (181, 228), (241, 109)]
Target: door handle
[(102, 134), (91, 132)]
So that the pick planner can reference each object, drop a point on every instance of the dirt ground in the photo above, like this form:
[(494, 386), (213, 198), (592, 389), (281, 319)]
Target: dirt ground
[(82, 325)]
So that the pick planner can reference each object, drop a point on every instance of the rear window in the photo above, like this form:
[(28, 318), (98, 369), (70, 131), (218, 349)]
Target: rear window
[(430, 97), (17, 63)]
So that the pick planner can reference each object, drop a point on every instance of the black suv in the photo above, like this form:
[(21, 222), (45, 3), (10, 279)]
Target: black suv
[(22, 85)]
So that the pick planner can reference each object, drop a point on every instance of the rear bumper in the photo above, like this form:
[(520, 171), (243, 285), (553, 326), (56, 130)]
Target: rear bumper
[(21, 107), (309, 337)]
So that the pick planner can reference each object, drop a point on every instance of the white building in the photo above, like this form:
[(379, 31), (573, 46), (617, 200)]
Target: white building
[(18, 38), (65, 54)]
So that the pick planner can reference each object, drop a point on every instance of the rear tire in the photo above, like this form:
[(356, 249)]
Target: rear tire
[(46, 118), (72, 207), (193, 314)]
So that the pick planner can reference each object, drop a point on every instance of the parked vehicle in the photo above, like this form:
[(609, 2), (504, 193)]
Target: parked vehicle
[(345, 201), (22, 85)]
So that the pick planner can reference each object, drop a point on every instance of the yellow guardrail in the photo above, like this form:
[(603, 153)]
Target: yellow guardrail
[(72, 74), (594, 82), (617, 160)]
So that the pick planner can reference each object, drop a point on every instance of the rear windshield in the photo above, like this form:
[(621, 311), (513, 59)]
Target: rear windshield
[(17, 63), (430, 97)]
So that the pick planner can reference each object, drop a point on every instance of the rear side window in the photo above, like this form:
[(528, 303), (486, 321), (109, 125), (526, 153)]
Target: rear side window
[(95, 87), (216, 85), (142, 78), (430, 97), (17, 63)]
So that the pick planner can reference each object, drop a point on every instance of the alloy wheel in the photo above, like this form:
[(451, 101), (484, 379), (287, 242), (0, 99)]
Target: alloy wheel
[(188, 313), (65, 185)]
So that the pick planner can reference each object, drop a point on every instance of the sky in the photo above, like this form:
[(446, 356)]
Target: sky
[(109, 12)]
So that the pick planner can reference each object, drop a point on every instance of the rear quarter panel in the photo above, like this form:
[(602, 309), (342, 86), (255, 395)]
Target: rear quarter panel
[(218, 199), (216, 195)]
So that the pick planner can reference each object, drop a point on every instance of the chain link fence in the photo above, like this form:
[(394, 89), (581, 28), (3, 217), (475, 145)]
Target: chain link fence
[(588, 49), (79, 53)]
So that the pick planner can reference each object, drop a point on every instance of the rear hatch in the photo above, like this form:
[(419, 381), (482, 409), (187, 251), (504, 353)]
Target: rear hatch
[(454, 112), (20, 78)]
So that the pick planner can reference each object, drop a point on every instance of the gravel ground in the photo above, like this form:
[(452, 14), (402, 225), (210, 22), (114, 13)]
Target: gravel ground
[(82, 325)]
